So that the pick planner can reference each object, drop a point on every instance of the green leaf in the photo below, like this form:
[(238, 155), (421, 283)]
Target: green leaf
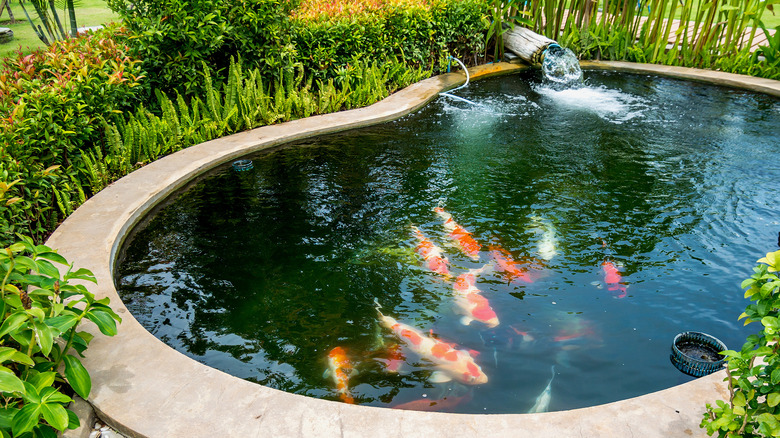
[(81, 274), (773, 399), (42, 381), (26, 418), (6, 417), (762, 307), (55, 414), (44, 431), (739, 399), (103, 320), (771, 322), (27, 263), (10, 383), (77, 376), (63, 323), (51, 395), (73, 420), (46, 268), (43, 333), (775, 376), (13, 322), (37, 313), (54, 257), (6, 353), (10, 288)]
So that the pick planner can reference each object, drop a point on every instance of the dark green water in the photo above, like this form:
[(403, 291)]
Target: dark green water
[(262, 273)]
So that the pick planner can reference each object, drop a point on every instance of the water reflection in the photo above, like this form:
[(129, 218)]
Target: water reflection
[(261, 273)]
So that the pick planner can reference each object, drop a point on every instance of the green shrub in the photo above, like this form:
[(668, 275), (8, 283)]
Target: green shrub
[(53, 104), (173, 37), (41, 343), (420, 34)]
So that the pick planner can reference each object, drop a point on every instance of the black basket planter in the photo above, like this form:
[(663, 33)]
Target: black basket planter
[(697, 354)]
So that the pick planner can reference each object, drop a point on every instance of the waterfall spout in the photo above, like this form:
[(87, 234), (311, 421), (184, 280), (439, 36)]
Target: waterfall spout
[(559, 64)]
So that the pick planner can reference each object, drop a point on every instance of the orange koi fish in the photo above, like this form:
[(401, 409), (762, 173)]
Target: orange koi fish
[(451, 363), (431, 253), (426, 404), (470, 302), (459, 235), (340, 370), (506, 264), (613, 279)]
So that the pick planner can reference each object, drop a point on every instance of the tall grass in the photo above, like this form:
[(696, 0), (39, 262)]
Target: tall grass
[(715, 34), (244, 102)]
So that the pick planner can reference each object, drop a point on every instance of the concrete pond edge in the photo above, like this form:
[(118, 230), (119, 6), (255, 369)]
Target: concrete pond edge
[(143, 388)]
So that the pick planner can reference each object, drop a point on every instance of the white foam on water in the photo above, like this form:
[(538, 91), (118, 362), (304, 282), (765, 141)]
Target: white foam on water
[(488, 111), (611, 105)]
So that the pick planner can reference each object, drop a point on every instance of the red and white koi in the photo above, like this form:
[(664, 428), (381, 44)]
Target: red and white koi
[(431, 253), (459, 235), (340, 370), (394, 359), (613, 279), (506, 264), (451, 362), (470, 302)]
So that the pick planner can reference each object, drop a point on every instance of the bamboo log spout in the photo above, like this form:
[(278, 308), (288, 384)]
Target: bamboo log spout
[(526, 44)]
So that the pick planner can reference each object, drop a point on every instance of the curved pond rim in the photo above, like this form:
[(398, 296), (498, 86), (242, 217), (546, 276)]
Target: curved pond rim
[(144, 388)]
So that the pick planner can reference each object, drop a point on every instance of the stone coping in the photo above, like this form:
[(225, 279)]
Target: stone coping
[(144, 388)]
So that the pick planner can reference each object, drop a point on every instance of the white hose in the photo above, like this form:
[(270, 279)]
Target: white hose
[(447, 94)]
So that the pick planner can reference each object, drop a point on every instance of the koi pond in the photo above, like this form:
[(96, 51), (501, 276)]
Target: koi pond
[(536, 251)]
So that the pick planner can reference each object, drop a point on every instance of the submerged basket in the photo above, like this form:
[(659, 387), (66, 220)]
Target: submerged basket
[(697, 354), (242, 165)]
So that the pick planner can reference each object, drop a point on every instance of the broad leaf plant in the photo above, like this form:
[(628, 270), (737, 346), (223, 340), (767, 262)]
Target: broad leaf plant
[(753, 373), (40, 342)]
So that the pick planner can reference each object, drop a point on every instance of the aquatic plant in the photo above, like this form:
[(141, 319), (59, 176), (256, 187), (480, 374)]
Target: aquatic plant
[(40, 341), (753, 373)]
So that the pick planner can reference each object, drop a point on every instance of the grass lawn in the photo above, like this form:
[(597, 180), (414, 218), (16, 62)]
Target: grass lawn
[(88, 13)]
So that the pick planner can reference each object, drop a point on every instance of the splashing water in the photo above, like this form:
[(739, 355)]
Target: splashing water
[(611, 105), (560, 65)]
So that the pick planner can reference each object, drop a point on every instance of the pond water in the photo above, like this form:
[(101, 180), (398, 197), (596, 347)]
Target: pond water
[(632, 208)]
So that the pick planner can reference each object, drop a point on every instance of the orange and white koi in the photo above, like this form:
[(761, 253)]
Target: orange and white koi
[(459, 235), (613, 279), (340, 369), (506, 264), (431, 253), (470, 302), (451, 363)]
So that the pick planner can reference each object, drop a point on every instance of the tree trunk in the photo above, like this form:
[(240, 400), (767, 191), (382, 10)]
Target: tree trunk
[(526, 44)]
